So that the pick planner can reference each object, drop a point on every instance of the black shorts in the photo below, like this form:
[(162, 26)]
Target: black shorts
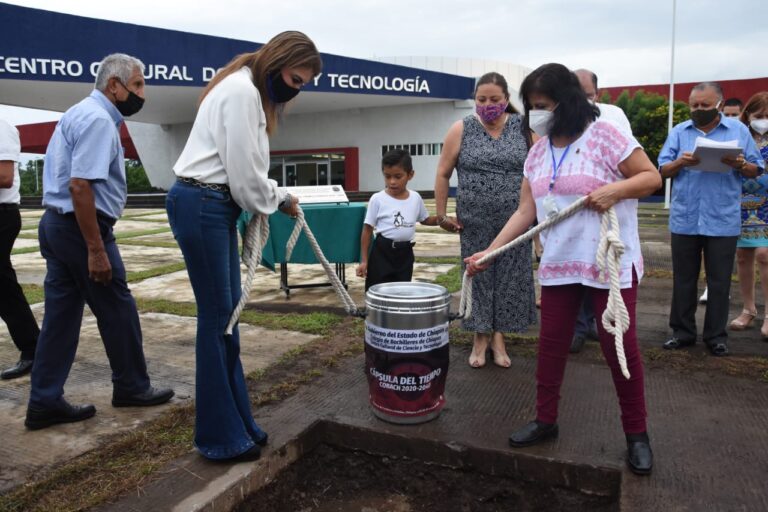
[(389, 262)]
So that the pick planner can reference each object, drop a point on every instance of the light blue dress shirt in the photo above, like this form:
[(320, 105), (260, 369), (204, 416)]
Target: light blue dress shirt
[(707, 203), (86, 144)]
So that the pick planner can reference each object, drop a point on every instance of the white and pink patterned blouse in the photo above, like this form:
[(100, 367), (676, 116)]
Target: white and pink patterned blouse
[(570, 246)]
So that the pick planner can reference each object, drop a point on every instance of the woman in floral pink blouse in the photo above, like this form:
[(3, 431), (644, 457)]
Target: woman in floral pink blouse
[(578, 155)]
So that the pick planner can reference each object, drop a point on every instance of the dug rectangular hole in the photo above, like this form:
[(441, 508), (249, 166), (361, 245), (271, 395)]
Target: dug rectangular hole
[(342, 468)]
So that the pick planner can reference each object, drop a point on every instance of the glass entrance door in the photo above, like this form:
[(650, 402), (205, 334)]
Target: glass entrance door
[(306, 174), (307, 170)]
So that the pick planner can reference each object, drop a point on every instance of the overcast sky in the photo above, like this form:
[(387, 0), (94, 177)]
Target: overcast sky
[(624, 42)]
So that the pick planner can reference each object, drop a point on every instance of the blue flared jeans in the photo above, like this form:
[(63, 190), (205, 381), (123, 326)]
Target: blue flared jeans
[(204, 225)]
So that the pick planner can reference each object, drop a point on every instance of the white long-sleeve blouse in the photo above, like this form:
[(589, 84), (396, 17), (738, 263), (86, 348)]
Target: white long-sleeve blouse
[(228, 144)]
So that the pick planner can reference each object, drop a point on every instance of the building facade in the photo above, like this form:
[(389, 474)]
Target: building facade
[(335, 132)]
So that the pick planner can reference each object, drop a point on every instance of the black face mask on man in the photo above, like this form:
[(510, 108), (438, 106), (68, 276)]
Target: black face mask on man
[(704, 117), (131, 104), (278, 90)]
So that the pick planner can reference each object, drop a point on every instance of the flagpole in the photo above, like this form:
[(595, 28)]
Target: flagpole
[(668, 181)]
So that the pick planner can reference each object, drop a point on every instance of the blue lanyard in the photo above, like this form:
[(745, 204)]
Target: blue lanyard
[(556, 166)]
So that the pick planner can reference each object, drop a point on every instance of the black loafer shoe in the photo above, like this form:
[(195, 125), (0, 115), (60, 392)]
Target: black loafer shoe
[(675, 343), (718, 349), (263, 440), (21, 368), (64, 412), (533, 433), (577, 344), (639, 454), (151, 396)]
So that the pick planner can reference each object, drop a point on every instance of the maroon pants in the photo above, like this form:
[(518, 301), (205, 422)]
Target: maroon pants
[(559, 307)]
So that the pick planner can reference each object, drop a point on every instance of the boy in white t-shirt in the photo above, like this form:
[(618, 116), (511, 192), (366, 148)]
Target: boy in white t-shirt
[(392, 214)]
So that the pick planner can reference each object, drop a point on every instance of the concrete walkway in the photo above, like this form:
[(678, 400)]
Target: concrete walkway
[(708, 431), (168, 339)]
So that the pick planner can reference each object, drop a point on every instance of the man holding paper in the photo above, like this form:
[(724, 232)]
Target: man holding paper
[(705, 212)]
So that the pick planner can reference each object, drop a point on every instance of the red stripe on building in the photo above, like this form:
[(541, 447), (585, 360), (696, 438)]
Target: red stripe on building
[(742, 89), (35, 138)]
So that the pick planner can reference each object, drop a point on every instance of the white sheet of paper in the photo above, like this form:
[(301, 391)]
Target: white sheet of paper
[(710, 153)]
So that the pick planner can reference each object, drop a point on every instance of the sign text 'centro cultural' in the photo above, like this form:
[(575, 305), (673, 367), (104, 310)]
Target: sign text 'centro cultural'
[(43, 68)]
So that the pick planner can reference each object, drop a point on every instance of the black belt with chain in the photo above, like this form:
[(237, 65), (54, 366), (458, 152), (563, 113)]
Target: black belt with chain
[(218, 187)]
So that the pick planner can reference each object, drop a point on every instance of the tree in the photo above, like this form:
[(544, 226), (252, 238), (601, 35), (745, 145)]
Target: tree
[(136, 178), (31, 177), (648, 114)]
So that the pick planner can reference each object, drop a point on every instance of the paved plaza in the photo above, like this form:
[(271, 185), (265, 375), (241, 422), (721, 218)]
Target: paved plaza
[(707, 416)]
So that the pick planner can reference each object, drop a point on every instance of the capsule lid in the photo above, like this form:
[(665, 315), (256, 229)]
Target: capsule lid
[(413, 296)]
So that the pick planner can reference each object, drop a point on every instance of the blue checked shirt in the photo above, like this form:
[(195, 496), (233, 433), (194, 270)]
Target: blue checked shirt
[(86, 144), (707, 203)]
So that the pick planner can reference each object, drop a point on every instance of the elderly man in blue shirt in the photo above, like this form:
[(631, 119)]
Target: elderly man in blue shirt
[(705, 216), (84, 192)]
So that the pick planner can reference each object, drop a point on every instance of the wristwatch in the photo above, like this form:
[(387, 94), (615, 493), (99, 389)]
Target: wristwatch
[(286, 202)]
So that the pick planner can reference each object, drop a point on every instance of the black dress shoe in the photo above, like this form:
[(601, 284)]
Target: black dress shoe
[(21, 368), (151, 396), (718, 348), (675, 343), (533, 433), (263, 440), (577, 344), (639, 454), (64, 412), (252, 453)]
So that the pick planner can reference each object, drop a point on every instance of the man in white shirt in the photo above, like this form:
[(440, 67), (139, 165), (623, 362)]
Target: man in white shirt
[(585, 323), (14, 308), (611, 113)]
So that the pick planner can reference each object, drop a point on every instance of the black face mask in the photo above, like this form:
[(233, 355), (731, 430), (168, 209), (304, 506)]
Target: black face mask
[(130, 105), (704, 117), (278, 90)]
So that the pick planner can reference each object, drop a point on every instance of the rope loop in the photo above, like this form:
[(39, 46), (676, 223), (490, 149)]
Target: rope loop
[(256, 236)]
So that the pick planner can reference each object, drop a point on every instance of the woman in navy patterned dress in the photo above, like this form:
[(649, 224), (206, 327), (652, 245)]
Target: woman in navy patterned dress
[(488, 150), (753, 243)]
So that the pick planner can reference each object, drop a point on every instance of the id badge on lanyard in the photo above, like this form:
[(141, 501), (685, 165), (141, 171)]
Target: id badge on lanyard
[(550, 205)]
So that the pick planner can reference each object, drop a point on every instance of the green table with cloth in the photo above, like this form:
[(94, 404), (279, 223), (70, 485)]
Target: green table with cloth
[(336, 226)]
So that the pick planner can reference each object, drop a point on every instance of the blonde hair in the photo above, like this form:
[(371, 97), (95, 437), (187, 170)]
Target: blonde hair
[(288, 49)]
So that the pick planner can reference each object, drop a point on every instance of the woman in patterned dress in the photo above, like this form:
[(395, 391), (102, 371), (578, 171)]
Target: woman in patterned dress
[(579, 155), (753, 243), (488, 150)]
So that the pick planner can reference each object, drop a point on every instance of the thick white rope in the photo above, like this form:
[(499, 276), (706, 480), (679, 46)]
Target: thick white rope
[(465, 304), (615, 317), (610, 250), (341, 291), (256, 236)]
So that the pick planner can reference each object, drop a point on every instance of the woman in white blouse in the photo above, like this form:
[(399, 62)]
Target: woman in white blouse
[(579, 155), (222, 171)]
